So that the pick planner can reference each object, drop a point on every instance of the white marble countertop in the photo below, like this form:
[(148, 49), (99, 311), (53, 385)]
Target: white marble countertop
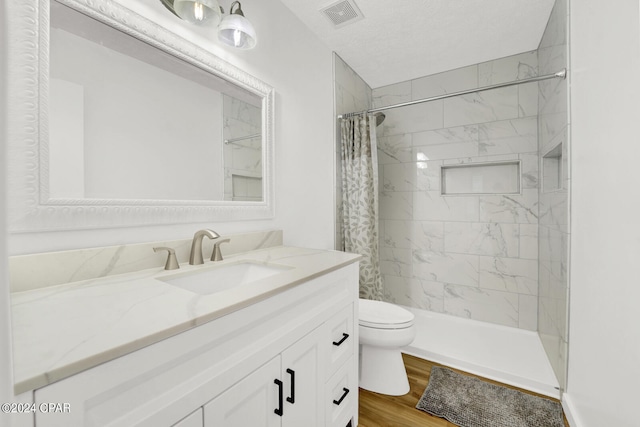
[(61, 330)]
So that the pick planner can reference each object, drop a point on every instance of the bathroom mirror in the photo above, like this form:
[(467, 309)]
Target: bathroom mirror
[(133, 125)]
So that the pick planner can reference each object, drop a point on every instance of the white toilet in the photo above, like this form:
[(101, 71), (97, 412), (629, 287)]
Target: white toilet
[(384, 328)]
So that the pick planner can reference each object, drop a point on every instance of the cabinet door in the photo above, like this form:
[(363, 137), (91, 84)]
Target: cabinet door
[(250, 402), (303, 374)]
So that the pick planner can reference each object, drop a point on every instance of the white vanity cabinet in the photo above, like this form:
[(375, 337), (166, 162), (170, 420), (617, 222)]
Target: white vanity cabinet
[(286, 391), (298, 346)]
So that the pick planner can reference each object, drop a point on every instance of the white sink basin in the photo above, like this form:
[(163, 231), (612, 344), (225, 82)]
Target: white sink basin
[(219, 278)]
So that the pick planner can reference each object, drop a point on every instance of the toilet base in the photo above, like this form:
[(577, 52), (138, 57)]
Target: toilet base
[(382, 370)]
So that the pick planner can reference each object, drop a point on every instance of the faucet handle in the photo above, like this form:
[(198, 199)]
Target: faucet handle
[(217, 253), (172, 261)]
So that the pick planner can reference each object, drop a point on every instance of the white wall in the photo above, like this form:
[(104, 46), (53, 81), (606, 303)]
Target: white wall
[(6, 377), (178, 157), (292, 60), (604, 346)]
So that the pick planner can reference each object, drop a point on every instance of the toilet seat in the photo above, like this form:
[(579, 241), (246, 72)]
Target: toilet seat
[(382, 315)]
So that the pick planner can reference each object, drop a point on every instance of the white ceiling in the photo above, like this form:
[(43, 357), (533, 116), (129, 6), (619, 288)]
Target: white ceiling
[(407, 39)]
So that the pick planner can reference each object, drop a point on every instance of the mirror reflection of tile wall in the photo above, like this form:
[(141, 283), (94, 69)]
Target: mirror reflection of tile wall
[(242, 150)]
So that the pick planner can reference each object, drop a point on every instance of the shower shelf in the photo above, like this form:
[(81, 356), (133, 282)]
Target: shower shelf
[(481, 178)]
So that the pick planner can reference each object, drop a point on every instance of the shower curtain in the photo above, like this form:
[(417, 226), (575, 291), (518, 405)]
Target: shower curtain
[(360, 200)]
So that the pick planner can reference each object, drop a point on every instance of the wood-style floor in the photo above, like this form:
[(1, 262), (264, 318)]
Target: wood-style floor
[(377, 410)]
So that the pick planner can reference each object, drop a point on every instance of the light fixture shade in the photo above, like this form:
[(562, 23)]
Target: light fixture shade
[(236, 30), (200, 12)]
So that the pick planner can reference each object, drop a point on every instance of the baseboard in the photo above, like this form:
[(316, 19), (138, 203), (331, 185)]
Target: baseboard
[(569, 411)]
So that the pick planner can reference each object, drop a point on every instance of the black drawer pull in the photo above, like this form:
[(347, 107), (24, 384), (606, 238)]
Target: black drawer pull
[(278, 410), (292, 399), (339, 401), (344, 337)]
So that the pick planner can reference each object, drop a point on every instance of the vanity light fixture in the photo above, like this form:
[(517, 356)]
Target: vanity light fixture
[(234, 29), (206, 13)]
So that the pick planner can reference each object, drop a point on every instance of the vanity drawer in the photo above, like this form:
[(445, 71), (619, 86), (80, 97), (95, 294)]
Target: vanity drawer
[(342, 396), (341, 338)]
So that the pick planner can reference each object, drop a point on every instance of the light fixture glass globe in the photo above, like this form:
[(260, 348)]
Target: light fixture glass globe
[(200, 12), (236, 30)]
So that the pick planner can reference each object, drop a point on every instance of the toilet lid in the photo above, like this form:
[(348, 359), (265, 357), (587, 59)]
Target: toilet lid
[(382, 315)]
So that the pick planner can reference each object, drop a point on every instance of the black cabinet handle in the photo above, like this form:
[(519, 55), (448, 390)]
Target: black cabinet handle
[(339, 401), (292, 399), (344, 337), (278, 410)]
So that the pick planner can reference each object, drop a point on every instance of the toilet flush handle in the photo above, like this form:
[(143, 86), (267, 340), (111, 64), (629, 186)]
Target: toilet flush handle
[(344, 337)]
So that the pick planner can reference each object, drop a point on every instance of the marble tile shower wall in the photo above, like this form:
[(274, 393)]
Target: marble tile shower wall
[(242, 159), (554, 131), (351, 93), (471, 256)]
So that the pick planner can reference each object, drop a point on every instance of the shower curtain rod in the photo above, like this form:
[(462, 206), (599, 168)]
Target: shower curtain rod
[(560, 74)]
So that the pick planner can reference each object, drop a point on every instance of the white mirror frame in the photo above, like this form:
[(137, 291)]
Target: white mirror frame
[(30, 208)]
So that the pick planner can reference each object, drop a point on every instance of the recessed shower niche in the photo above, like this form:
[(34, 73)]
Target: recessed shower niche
[(552, 169), (481, 178)]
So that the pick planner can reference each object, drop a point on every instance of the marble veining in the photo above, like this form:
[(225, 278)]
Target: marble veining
[(62, 330), (55, 268), (432, 206), (521, 135), (452, 238), (394, 149), (554, 227), (398, 177), (528, 312), (396, 262), (481, 107), (529, 171), (528, 100), (553, 97), (511, 68), (392, 94), (428, 174), (451, 150), (509, 274), (481, 304), (446, 267), (468, 133), (455, 80), (425, 294), (516, 208), (481, 238), (415, 118), (528, 241), (395, 205)]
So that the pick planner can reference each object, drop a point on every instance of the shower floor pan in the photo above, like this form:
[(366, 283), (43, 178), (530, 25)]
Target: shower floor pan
[(501, 353)]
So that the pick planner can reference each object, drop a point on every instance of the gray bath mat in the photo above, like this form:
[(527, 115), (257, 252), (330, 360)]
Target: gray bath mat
[(470, 402)]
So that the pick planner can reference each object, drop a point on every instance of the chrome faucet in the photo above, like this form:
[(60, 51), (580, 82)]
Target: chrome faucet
[(196, 246)]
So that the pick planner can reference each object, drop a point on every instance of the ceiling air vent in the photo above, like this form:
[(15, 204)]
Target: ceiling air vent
[(342, 12)]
